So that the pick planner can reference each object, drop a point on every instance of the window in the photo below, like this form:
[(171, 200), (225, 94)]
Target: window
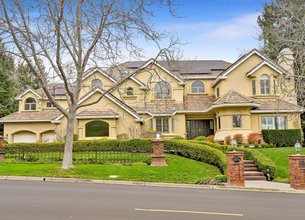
[(236, 121), (197, 87), (129, 91), (50, 105), (265, 84), (217, 92), (274, 122), (97, 129), (163, 90), (253, 87), (96, 83), (219, 123), (30, 104), (162, 124)]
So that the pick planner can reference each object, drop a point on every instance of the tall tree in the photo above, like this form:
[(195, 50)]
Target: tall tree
[(282, 25), (25, 78), (7, 84), (71, 35)]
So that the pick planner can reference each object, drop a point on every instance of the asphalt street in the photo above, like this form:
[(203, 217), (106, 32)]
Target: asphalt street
[(49, 200)]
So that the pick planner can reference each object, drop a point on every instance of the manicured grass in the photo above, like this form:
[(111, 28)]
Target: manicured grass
[(180, 170), (279, 156)]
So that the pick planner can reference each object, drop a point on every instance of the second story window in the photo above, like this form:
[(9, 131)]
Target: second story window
[(96, 83), (253, 87), (265, 84), (163, 90), (129, 91), (50, 105), (30, 104), (197, 87)]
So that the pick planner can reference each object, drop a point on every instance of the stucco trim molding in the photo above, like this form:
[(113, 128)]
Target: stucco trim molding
[(91, 71), (278, 111), (262, 64), (27, 91)]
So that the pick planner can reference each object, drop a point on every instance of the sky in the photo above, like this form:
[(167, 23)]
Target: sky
[(212, 29)]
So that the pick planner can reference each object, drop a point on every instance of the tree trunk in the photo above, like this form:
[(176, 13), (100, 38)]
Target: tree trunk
[(67, 160)]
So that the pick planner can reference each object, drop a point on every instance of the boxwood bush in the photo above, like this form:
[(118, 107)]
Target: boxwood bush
[(198, 152), (282, 138)]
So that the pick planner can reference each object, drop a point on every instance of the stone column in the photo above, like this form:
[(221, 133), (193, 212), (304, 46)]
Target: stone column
[(1, 149), (235, 168), (297, 171), (158, 157)]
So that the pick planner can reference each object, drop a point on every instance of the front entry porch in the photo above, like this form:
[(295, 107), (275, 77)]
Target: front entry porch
[(197, 128)]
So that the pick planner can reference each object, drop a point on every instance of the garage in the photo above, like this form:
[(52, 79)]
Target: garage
[(49, 136), (25, 137)]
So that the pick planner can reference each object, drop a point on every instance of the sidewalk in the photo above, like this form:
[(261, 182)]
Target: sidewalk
[(261, 186)]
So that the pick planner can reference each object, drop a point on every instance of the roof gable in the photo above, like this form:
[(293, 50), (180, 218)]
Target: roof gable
[(233, 97), (27, 91), (100, 71), (265, 63)]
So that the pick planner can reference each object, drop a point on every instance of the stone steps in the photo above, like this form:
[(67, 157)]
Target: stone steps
[(251, 171)]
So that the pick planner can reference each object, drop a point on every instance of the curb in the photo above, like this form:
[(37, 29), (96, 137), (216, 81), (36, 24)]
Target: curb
[(147, 184)]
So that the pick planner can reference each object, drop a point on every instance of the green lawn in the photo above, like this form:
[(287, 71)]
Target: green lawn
[(180, 170), (279, 156)]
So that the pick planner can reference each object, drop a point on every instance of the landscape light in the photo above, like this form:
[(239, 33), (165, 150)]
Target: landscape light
[(234, 144), (298, 147)]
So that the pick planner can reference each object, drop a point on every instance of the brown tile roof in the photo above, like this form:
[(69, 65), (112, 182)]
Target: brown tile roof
[(43, 115), (233, 97), (160, 107), (97, 112), (198, 102), (277, 104)]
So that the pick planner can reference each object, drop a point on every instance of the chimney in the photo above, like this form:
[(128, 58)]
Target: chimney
[(285, 59)]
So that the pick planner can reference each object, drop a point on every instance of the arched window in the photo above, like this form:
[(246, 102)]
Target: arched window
[(129, 91), (97, 129), (265, 84), (96, 83), (197, 87), (163, 90), (30, 104)]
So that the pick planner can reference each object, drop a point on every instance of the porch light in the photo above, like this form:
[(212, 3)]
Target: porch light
[(297, 147), (234, 144), (158, 136)]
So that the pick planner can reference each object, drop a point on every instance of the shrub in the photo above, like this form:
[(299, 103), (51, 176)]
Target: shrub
[(228, 139), (239, 138), (201, 138), (210, 138), (75, 137), (253, 138), (122, 136), (282, 138), (198, 152), (222, 147)]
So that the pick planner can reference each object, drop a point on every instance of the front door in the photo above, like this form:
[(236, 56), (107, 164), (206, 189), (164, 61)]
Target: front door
[(197, 128)]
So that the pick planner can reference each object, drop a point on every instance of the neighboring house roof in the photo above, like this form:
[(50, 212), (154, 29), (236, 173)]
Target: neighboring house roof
[(31, 116), (97, 114), (198, 102), (234, 97)]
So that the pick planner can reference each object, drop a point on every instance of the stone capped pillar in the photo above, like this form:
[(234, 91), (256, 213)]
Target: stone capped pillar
[(1, 149), (235, 168), (297, 171), (158, 157)]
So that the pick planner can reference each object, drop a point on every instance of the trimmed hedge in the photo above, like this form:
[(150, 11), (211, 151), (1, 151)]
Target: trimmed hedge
[(265, 164), (198, 152), (282, 138)]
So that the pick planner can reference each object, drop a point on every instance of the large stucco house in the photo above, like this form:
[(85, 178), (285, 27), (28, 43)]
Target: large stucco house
[(186, 98)]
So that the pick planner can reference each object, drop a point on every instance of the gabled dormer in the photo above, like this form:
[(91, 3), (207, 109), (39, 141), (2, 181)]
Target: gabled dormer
[(29, 100)]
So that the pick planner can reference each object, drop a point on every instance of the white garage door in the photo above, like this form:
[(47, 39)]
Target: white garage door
[(48, 137), (25, 137)]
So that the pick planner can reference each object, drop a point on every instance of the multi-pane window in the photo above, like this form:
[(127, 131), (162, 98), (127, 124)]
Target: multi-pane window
[(162, 124), (265, 84), (219, 123), (129, 91), (163, 90), (236, 121), (30, 104), (253, 87), (97, 129), (197, 87), (279, 122), (96, 83), (217, 92)]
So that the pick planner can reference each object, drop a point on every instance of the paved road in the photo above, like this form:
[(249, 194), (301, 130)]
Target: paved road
[(46, 200)]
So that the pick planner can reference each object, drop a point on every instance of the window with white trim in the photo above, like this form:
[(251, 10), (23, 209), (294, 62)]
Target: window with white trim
[(197, 87), (163, 90), (96, 83), (162, 124), (129, 91), (265, 84), (50, 105), (236, 121), (30, 104), (273, 122)]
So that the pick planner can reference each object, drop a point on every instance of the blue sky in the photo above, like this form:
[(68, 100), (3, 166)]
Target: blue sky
[(212, 29)]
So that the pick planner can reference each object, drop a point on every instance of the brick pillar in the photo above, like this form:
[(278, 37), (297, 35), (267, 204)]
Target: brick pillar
[(297, 171), (1, 149), (158, 157), (235, 168)]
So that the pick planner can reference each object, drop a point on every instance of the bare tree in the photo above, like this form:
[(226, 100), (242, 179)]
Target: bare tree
[(71, 35)]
